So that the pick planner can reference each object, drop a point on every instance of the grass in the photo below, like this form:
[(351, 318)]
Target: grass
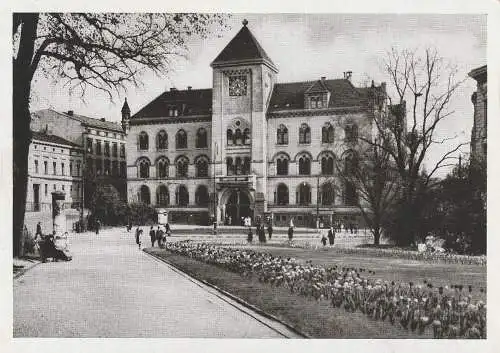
[(315, 319)]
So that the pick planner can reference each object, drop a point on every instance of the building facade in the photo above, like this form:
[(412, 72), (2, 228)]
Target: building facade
[(102, 142), (250, 146), (54, 164), (478, 143)]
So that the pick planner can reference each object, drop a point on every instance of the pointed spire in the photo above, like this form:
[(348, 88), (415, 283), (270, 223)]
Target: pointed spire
[(244, 22), (125, 108)]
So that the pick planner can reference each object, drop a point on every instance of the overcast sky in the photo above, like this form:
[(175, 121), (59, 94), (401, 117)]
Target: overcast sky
[(306, 47)]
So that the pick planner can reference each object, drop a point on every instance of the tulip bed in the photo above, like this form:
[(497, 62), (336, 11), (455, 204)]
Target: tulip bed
[(447, 312)]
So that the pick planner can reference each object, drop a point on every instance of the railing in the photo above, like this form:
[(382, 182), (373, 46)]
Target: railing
[(249, 181)]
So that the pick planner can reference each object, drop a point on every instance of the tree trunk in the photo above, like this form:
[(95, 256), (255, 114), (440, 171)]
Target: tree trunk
[(22, 75), (376, 236)]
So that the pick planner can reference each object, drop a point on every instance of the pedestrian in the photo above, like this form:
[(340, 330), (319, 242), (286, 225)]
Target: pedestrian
[(152, 235), (97, 226), (290, 230), (270, 230), (138, 233), (168, 231), (38, 230), (159, 236), (323, 239), (250, 236), (331, 236), (262, 233)]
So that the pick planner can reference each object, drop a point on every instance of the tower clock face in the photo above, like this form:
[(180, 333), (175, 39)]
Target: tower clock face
[(237, 86)]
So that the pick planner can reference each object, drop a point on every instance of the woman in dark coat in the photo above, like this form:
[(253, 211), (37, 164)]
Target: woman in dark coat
[(270, 230), (152, 235)]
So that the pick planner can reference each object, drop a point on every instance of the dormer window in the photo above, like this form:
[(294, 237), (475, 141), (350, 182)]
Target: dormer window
[(172, 111), (316, 102)]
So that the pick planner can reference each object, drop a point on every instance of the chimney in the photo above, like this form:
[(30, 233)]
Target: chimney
[(102, 119), (348, 75), (173, 89), (189, 88), (70, 112), (323, 78)]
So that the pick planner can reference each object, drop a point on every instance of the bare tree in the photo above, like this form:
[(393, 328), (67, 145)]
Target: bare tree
[(104, 51), (370, 172), (424, 87)]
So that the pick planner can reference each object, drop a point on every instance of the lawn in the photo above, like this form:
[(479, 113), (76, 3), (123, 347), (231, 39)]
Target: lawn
[(306, 315)]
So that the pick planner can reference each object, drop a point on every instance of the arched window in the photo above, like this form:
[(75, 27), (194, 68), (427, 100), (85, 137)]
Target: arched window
[(162, 167), (229, 135), (282, 135), (201, 138), (282, 194), (238, 137), (304, 134), (237, 165), (350, 195), (162, 197), (143, 168), (327, 194), (201, 196), (202, 167), (351, 133), (182, 196), (144, 195), (282, 165), (143, 141), (246, 166), (246, 136), (304, 165), (304, 194), (350, 163), (182, 166), (162, 140), (327, 133), (327, 165), (230, 166), (181, 139)]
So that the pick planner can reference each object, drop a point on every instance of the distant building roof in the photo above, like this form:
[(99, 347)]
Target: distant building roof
[(291, 95), (188, 102), (244, 46), (42, 136), (91, 122)]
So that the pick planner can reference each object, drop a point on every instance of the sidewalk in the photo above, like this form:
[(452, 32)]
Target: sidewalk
[(21, 265)]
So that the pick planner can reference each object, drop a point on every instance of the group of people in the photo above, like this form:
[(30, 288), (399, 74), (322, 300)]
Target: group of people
[(348, 227), (260, 232), (331, 237), (158, 236), (52, 245)]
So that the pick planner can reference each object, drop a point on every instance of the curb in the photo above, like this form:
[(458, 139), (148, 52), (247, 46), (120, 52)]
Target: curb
[(235, 298), (24, 270)]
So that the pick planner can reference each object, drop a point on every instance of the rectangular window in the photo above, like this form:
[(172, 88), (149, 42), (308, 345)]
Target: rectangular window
[(62, 168), (106, 149), (98, 148), (46, 189), (90, 148), (78, 169), (115, 149), (36, 166), (54, 165), (45, 167), (122, 150)]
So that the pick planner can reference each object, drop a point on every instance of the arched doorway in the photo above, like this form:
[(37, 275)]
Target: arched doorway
[(238, 206)]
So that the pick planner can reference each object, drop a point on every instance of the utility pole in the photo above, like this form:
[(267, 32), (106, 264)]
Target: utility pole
[(317, 201), (215, 198)]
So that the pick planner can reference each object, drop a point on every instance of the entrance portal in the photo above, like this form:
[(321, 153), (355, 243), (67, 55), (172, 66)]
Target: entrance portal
[(237, 207)]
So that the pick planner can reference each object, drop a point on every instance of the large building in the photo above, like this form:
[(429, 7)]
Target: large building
[(102, 143), (250, 145), (478, 143)]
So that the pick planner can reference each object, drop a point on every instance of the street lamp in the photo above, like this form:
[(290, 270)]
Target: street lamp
[(317, 201)]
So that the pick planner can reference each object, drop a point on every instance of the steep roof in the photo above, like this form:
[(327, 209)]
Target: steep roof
[(188, 103), (91, 122), (291, 95), (244, 46), (41, 136)]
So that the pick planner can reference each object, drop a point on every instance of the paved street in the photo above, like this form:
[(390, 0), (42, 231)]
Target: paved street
[(111, 289)]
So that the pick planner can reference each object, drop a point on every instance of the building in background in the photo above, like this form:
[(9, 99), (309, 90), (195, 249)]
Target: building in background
[(250, 146), (103, 145), (478, 142)]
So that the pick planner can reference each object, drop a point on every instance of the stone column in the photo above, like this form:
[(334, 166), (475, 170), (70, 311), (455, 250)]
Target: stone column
[(58, 214)]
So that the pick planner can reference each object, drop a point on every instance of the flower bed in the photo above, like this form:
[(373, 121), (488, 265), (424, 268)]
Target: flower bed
[(448, 312)]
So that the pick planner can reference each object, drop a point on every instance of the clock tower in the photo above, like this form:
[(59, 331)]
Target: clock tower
[(243, 78)]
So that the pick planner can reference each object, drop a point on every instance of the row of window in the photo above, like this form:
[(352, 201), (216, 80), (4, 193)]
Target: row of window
[(181, 164), (327, 134), (201, 197), (56, 170), (180, 140), (106, 167), (327, 164), (46, 191), (303, 195), (98, 150)]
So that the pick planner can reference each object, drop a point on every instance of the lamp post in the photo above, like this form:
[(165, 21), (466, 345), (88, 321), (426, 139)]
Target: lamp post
[(317, 201), (215, 198)]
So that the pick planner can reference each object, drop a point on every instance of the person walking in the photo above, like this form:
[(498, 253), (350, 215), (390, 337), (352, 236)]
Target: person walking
[(138, 233), (290, 230), (97, 226), (159, 236), (331, 236), (152, 235), (270, 230), (168, 231)]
